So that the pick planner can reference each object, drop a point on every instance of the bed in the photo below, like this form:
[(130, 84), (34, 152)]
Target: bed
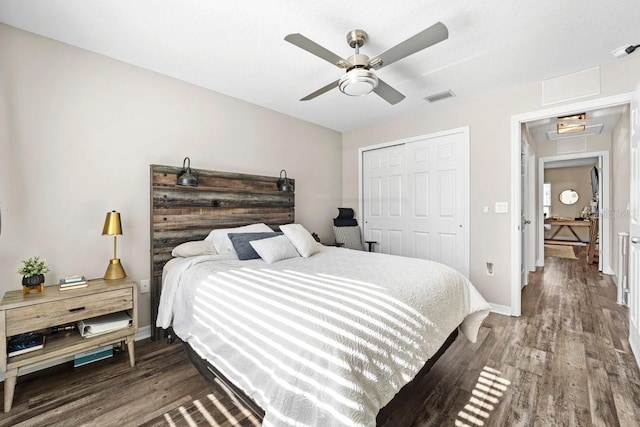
[(327, 339)]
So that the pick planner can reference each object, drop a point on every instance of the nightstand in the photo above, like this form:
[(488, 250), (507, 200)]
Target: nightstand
[(32, 312)]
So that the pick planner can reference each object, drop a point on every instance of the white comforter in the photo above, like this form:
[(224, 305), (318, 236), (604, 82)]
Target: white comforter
[(323, 341)]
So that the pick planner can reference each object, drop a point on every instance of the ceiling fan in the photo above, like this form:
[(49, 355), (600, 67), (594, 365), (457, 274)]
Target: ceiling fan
[(360, 78)]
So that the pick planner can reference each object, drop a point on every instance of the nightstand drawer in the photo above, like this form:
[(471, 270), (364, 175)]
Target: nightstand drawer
[(47, 314)]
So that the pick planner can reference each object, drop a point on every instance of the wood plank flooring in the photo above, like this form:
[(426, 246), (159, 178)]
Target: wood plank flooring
[(565, 362)]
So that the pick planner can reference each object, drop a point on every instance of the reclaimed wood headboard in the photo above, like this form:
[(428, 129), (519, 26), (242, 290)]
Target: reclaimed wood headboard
[(221, 200)]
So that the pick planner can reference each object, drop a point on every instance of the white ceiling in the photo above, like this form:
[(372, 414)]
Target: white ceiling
[(238, 48)]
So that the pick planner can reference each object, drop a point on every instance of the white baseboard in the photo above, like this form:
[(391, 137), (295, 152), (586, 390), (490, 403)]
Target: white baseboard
[(143, 332), (500, 309)]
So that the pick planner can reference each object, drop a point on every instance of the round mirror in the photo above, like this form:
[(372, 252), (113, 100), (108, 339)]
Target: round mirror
[(569, 197)]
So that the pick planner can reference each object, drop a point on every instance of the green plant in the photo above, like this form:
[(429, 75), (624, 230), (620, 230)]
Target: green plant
[(32, 266)]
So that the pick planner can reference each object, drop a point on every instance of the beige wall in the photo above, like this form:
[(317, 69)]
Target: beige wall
[(78, 132), (619, 214), (570, 178), (489, 119)]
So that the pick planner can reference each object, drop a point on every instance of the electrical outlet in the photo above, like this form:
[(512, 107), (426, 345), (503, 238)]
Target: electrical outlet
[(144, 286), (489, 269), (502, 207)]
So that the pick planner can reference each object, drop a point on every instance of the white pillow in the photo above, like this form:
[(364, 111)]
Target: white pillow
[(223, 244), (304, 242), (274, 249), (195, 248)]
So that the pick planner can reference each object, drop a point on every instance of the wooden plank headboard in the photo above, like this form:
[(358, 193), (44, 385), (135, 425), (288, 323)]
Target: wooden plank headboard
[(222, 199)]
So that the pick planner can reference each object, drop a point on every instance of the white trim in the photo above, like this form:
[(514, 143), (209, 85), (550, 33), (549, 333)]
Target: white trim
[(531, 262), (505, 310), (634, 342), (464, 130), (516, 121), (143, 333)]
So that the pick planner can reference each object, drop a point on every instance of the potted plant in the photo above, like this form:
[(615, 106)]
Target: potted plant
[(32, 270)]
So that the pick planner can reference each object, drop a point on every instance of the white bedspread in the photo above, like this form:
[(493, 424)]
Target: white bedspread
[(323, 341)]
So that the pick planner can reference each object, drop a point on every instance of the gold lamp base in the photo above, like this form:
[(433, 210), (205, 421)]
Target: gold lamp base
[(114, 270)]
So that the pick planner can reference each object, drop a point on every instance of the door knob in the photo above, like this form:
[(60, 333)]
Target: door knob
[(635, 239), (527, 221)]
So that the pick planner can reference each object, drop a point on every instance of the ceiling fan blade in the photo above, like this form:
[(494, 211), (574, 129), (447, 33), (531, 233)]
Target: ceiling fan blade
[(320, 91), (388, 93), (314, 48), (434, 34)]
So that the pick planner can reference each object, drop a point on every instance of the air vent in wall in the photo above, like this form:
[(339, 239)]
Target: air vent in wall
[(439, 96)]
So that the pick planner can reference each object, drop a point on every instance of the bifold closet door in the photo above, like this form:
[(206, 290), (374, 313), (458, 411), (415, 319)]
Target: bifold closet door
[(383, 182), (435, 200), (415, 198)]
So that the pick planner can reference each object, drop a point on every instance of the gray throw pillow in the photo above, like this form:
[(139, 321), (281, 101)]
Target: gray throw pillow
[(240, 242)]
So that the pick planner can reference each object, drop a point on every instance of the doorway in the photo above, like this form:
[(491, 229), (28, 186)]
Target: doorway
[(516, 186), (587, 160)]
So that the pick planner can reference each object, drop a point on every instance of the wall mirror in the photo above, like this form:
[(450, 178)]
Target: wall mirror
[(568, 197)]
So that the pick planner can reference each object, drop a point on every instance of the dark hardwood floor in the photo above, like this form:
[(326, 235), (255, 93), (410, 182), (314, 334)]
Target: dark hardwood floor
[(565, 362)]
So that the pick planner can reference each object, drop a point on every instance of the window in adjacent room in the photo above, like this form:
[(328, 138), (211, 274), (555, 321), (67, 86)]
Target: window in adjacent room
[(546, 199)]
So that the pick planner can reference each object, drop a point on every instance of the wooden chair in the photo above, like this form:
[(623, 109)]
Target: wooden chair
[(592, 246)]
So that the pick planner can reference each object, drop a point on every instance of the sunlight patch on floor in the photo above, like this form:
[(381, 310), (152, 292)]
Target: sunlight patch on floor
[(485, 397)]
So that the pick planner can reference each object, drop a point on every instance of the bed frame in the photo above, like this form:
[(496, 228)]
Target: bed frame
[(222, 200)]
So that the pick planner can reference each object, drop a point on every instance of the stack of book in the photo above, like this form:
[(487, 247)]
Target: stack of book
[(72, 282), (24, 343)]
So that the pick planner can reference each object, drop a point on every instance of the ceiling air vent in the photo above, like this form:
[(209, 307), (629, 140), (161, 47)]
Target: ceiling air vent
[(439, 96)]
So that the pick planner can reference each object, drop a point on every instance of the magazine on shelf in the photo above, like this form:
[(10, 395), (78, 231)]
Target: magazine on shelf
[(104, 324)]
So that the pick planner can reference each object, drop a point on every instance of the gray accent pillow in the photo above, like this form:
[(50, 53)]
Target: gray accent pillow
[(240, 242)]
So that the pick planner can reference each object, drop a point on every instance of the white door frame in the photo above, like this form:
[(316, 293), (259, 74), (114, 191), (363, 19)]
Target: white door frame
[(516, 122), (533, 217), (603, 206), (529, 261), (465, 222)]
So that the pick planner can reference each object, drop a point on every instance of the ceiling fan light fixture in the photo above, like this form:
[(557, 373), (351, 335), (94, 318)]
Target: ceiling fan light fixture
[(358, 82)]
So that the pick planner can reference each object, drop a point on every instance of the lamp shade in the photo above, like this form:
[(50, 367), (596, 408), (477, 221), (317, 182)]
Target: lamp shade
[(112, 225)]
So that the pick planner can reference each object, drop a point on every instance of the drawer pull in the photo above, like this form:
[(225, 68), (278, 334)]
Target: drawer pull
[(73, 310)]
